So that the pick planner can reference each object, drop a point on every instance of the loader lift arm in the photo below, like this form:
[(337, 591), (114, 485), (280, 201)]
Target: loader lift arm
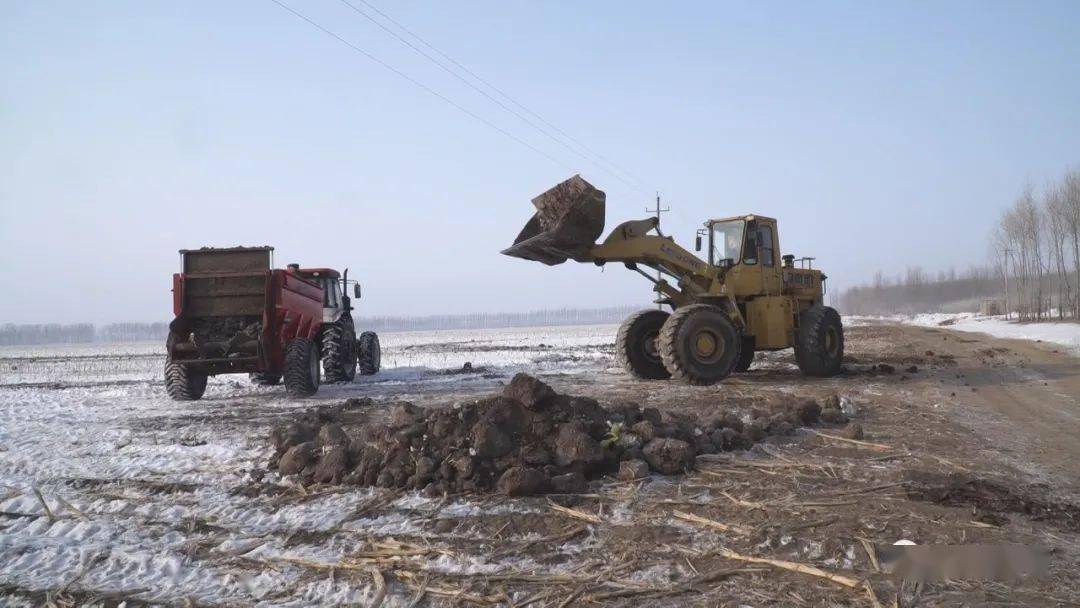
[(631, 244)]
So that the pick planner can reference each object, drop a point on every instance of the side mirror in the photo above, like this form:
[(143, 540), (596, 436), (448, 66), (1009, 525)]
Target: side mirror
[(356, 290), (697, 243)]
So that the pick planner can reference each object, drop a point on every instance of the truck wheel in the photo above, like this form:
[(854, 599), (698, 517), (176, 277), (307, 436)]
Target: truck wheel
[(819, 341), (699, 344), (301, 367), (265, 378), (746, 355), (636, 347), (339, 354), (370, 355), (183, 384)]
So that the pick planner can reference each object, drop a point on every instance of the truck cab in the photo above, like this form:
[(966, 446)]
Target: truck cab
[(336, 302), (343, 353)]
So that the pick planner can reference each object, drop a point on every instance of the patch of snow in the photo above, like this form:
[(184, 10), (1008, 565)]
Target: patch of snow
[(1064, 334)]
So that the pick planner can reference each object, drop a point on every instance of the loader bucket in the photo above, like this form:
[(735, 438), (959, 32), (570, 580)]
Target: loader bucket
[(568, 220)]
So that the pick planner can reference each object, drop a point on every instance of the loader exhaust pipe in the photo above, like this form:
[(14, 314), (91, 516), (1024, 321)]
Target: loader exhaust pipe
[(568, 220)]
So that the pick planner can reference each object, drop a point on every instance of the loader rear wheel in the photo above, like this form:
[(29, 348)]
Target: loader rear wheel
[(265, 378), (339, 350), (699, 344), (370, 353), (636, 347), (301, 367), (819, 342), (184, 384), (746, 355)]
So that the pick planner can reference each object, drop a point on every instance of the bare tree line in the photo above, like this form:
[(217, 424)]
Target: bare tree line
[(79, 333), (50, 333), (1035, 266), (1036, 248), (536, 318), (12, 334), (916, 290)]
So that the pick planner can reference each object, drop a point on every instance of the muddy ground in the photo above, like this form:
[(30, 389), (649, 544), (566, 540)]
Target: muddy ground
[(970, 440)]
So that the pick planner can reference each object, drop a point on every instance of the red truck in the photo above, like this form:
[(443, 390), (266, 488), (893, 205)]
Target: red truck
[(236, 314)]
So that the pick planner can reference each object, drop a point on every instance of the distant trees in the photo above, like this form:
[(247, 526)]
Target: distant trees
[(80, 333), (1035, 253), (12, 334), (1036, 248), (536, 318), (52, 333), (914, 291), (132, 332)]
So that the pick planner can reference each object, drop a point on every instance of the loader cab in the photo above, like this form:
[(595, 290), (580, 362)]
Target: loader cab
[(748, 247)]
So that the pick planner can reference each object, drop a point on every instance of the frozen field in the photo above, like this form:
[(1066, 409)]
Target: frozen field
[(405, 355), (109, 486), (111, 492)]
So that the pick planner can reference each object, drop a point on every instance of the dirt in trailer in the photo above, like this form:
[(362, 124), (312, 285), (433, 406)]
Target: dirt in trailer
[(770, 489)]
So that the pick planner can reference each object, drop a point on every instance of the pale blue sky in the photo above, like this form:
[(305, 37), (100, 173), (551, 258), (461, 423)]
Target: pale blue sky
[(880, 134)]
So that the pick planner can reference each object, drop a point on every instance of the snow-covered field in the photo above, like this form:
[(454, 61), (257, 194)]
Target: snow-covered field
[(1064, 334), (406, 355), (108, 487)]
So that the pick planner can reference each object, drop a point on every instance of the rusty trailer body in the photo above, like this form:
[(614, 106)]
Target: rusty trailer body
[(234, 313)]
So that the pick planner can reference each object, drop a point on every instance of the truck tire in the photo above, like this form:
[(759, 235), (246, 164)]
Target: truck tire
[(699, 344), (819, 342), (746, 355), (369, 353), (339, 350), (636, 347), (301, 368), (183, 384), (265, 378)]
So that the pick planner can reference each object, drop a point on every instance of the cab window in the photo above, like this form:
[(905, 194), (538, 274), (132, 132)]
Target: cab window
[(750, 251), (330, 289), (768, 255), (727, 239), (759, 242)]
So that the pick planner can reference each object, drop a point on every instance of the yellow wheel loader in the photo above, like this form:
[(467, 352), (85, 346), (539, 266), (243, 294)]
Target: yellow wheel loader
[(745, 298)]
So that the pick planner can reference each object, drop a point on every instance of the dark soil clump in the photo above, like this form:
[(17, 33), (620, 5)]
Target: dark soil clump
[(527, 440)]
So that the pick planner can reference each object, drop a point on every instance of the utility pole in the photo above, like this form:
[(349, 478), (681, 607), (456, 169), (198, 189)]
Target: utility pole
[(658, 210), (1006, 273)]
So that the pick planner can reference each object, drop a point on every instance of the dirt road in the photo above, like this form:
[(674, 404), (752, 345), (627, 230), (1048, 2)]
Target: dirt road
[(1026, 400), (968, 439)]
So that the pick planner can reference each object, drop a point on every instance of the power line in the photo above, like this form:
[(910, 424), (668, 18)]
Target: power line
[(640, 183), (494, 100), (423, 86)]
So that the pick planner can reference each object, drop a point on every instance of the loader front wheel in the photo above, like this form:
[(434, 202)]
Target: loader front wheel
[(819, 342), (339, 354), (183, 384), (636, 347), (370, 353), (301, 367), (699, 344)]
